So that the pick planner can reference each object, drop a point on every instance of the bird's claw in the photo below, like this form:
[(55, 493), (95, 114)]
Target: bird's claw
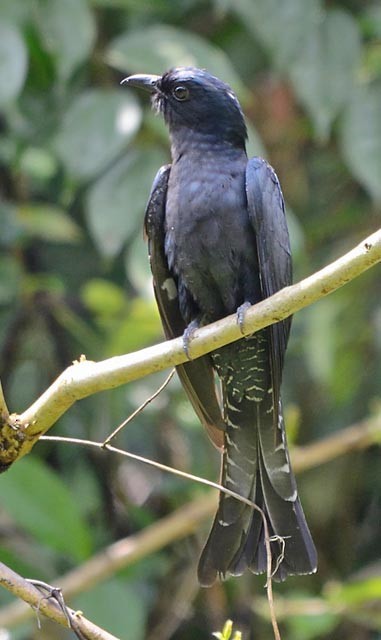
[(241, 312), (188, 335), (55, 593)]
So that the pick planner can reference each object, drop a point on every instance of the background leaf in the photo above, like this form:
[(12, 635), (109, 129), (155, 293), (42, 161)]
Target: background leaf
[(282, 27), (117, 607), (13, 63), (37, 500), (361, 137), (48, 223), (323, 74), (116, 203), (169, 47), (67, 30), (95, 129)]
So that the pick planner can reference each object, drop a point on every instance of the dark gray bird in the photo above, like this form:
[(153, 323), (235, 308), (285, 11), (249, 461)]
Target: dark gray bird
[(218, 242)]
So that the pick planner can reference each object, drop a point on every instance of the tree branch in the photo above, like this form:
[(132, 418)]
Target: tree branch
[(48, 607), (186, 520), (19, 433)]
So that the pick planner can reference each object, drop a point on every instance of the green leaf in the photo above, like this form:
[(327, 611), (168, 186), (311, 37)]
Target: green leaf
[(13, 63), (169, 47), (95, 129), (39, 502), (14, 11), (141, 326), (323, 74), (116, 202), (117, 607), (48, 223), (357, 592), (308, 627), (103, 297), (320, 339), (361, 137), (67, 30), (282, 27), (38, 164), (10, 279)]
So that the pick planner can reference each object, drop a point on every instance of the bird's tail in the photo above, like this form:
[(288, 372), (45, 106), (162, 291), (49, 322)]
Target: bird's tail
[(255, 465)]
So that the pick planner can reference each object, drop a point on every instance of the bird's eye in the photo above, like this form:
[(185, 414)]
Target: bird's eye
[(181, 93)]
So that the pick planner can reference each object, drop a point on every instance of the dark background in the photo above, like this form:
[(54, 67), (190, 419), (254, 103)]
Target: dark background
[(78, 154)]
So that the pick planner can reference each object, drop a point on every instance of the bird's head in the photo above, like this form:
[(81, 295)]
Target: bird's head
[(193, 99)]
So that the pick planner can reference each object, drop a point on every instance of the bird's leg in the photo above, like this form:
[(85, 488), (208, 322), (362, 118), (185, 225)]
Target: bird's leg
[(188, 335), (241, 312)]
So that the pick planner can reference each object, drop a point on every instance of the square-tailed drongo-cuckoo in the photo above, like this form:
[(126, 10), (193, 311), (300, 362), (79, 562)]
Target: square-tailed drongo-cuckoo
[(218, 241)]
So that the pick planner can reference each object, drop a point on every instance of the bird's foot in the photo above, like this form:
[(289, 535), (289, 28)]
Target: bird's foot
[(188, 335), (49, 592), (241, 312)]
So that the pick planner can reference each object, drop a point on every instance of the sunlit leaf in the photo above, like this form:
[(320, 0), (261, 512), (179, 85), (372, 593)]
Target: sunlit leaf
[(169, 47), (48, 223), (38, 164), (95, 129), (358, 591), (137, 330), (309, 627), (103, 297), (39, 502), (323, 74), (361, 137), (13, 63), (116, 203), (68, 31)]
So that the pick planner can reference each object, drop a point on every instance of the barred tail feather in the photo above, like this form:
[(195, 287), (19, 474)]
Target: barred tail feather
[(256, 465)]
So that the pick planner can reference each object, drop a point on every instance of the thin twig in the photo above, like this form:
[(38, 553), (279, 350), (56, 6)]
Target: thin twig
[(269, 582), (85, 378), (139, 409), (157, 465), (186, 520)]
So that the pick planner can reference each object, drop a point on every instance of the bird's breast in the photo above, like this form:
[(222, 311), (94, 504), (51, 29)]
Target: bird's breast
[(210, 244)]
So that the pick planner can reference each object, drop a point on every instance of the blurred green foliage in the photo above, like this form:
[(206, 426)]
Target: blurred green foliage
[(78, 154)]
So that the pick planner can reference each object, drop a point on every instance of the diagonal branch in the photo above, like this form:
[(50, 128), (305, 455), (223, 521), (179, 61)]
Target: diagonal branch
[(19, 433)]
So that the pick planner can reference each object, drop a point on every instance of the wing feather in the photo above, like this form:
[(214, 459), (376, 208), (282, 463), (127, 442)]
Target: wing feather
[(197, 376), (267, 215)]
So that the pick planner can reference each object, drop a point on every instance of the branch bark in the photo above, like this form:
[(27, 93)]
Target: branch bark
[(31, 595), (19, 433), (186, 521)]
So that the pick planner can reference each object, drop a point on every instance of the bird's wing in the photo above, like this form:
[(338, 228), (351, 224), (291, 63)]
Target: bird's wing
[(196, 376), (267, 215)]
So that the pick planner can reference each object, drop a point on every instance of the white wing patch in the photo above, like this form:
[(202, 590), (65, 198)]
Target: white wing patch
[(170, 287)]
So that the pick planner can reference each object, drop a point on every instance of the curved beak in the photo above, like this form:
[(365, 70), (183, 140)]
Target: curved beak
[(146, 82)]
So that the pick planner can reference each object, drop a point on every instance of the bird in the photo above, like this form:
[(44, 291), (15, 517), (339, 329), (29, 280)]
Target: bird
[(218, 243)]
